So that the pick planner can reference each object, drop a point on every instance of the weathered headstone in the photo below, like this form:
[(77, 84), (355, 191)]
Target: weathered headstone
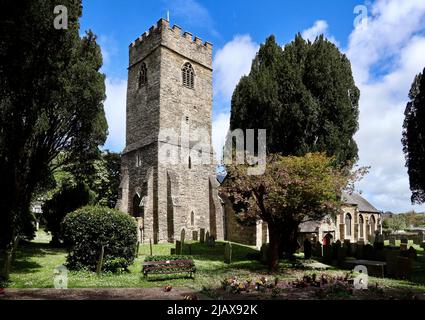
[(392, 241), (207, 235), (391, 260), (410, 253), (195, 235), (211, 241), (347, 246), (336, 247), (228, 253), (173, 251), (360, 250), (342, 254), (404, 241), (264, 253), (403, 246), (307, 249), (404, 268), (318, 250), (327, 254), (202, 235), (182, 236), (178, 247)]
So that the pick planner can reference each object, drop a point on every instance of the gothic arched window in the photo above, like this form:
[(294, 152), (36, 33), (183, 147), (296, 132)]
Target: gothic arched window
[(192, 218), (188, 76), (361, 226), (348, 224), (143, 76)]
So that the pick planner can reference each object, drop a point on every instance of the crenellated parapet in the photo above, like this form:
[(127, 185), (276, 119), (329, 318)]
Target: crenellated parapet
[(173, 38)]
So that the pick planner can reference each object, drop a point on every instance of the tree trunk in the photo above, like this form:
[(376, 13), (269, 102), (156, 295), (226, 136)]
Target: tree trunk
[(273, 249), (289, 240)]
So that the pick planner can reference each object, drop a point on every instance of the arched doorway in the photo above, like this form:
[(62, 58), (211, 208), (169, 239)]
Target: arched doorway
[(327, 239), (136, 206)]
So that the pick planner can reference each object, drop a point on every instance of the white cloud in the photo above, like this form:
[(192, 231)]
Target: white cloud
[(319, 27), (220, 127), (232, 62), (115, 113), (385, 57)]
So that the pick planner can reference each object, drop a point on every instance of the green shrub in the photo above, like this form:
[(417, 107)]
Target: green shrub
[(87, 229)]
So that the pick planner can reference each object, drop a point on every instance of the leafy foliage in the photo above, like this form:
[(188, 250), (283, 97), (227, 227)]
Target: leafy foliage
[(304, 95), (86, 230), (291, 191), (51, 102), (414, 138)]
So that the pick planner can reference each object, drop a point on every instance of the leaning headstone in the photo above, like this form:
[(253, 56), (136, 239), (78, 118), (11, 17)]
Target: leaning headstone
[(178, 247), (202, 235), (391, 260), (182, 236), (195, 235), (228, 253), (307, 249)]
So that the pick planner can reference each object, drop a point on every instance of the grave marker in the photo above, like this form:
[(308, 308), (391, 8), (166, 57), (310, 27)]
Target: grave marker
[(228, 253)]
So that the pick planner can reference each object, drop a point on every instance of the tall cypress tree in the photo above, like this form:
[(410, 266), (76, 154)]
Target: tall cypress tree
[(304, 95), (51, 102), (414, 138)]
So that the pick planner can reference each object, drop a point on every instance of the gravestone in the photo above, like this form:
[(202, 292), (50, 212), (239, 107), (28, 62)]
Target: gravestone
[(410, 253), (207, 235), (195, 235), (368, 252), (392, 241), (418, 239), (178, 247), (173, 251), (202, 235), (211, 241), (264, 253), (318, 250), (307, 249), (228, 253), (391, 260), (336, 246), (360, 250), (347, 246), (403, 246), (342, 254), (182, 236), (404, 241), (404, 268), (327, 254)]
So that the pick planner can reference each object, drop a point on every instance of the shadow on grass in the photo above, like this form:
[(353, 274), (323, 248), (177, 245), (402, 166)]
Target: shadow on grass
[(203, 252)]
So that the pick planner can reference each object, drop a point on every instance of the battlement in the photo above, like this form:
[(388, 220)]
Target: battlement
[(164, 26)]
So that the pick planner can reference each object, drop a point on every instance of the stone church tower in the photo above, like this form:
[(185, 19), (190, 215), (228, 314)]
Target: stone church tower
[(168, 165)]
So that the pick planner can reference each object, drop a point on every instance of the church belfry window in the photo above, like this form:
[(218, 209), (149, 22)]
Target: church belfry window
[(348, 225), (143, 76), (188, 76)]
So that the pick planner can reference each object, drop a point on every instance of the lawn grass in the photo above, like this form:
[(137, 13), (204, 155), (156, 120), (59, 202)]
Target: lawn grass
[(35, 262)]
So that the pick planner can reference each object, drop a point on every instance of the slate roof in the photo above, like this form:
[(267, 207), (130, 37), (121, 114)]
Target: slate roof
[(362, 204)]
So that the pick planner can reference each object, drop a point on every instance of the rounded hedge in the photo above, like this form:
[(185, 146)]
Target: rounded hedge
[(89, 228)]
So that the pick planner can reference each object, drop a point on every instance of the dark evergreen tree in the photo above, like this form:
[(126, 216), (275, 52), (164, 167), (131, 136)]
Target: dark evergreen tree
[(304, 95), (414, 138), (51, 102)]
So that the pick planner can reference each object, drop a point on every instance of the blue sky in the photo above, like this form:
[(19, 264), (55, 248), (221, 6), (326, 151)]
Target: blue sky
[(386, 52)]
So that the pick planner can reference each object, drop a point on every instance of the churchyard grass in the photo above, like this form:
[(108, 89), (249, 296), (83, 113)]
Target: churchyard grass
[(35, 262)]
